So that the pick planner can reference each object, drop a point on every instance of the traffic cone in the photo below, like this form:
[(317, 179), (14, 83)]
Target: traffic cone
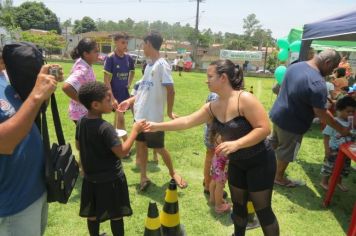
[(152, 224), (251, 89), (251, 216), (170, 215)]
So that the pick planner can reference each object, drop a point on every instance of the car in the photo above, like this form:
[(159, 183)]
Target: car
[(138, 59), (263, 72)]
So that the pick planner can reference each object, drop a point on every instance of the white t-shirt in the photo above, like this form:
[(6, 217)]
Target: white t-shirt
[(329, 87), (152, 94)]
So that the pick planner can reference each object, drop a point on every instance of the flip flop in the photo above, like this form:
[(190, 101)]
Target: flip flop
[(181, 183), (144, 185), (225, 208), (288, 184)]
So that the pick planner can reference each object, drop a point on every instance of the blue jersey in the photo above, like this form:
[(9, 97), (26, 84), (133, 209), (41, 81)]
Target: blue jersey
[(21, 173), (119, 68)]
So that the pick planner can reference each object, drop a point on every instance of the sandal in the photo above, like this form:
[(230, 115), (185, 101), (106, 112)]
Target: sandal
[(181, 183), (288, 183), (144, 185), (225, 208)]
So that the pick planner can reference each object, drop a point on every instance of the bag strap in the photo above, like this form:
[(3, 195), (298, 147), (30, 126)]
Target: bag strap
[(46, 141), (57, 121)]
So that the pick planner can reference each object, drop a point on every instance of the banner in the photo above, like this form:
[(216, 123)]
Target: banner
[(241, 55)]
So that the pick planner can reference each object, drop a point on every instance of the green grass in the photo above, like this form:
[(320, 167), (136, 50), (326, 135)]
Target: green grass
[(299, 211)]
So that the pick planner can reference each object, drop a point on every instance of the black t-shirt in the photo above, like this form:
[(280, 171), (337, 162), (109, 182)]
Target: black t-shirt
[(96, 138)]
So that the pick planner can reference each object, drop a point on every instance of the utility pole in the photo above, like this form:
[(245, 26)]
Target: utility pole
[(196, 32)]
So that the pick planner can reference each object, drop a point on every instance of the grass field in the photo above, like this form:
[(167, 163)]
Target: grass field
[(299, 210)]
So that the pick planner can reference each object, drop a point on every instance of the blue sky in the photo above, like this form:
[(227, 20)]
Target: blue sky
[(218, 15)]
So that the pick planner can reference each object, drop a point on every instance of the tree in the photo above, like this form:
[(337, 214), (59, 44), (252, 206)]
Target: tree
[(35, 15), (272, 60), (50, 41), (7, 18), (262, 37), (87, 24), (251, 24)]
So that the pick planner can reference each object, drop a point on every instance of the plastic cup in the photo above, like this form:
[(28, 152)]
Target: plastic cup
[(121, 132)]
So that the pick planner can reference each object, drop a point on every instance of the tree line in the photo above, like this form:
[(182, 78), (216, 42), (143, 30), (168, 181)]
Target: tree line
[(35, 15)]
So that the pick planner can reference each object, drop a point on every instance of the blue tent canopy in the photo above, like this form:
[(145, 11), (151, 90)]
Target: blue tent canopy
[(341, 28)]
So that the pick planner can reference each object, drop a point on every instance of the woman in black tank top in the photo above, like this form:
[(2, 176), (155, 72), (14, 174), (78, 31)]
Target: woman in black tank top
[(242, 122)]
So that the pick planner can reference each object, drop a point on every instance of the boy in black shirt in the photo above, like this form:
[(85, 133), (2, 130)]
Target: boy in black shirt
[(104, 190)]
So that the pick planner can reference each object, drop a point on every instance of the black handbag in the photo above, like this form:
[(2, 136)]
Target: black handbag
[(62, 169)]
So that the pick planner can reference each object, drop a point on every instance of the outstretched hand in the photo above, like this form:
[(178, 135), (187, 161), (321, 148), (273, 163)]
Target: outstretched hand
[(151, 127), (123, 106), (226, 148)]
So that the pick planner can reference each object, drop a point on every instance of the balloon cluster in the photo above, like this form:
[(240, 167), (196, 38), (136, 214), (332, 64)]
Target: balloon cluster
[(283, 55)]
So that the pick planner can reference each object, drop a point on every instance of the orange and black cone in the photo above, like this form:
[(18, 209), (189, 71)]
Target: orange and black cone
[(170, 215), (152, 224)]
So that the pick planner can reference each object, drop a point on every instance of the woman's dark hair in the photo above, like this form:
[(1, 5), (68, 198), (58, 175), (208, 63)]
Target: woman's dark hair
[(0, 52), (345, 102), (155, 39), (92, 92), (340, 72), (234, 74), (84, 45)]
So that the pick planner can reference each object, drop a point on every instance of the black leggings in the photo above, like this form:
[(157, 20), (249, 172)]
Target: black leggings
[(253, 178)]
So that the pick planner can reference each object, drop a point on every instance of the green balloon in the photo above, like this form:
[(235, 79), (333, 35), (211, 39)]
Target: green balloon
[(283, 43), (283, 54), (295, 46), (279, 74)]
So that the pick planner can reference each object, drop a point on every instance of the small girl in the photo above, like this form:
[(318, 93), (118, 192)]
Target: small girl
[(217, 183), (345, 107), (82, 72)]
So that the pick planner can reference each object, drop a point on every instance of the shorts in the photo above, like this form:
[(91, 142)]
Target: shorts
[(31, 221), (218, 169), (328, 165), (152, 139), (207, 141), (286, 144), (253, 174), (180, 68)]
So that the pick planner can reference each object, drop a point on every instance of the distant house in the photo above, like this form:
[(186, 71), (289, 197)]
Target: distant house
[(104, 39)]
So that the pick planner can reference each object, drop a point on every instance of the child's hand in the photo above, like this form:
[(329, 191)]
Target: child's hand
[(151, 127), (139, 126), (123, 106), (225, 148)]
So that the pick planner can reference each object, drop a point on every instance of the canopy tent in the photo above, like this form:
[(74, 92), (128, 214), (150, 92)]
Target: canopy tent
[(337, 32)]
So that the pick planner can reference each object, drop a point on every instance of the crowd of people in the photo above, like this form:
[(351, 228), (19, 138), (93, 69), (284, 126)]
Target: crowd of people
[(241, 148)]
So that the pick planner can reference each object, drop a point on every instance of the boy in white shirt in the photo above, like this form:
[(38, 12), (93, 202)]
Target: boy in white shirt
[(154, 91)]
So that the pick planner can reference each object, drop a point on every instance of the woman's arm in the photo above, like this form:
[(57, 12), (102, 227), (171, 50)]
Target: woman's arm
[(199, 117)]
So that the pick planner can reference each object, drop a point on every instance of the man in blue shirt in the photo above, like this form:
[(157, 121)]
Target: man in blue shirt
[(23, 200), (302, 96)]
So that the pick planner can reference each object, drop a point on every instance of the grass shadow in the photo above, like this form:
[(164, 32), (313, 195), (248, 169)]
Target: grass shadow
[(342, 202)]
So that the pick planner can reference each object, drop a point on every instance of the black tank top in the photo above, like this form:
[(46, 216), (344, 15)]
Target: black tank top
[(235, 129)]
